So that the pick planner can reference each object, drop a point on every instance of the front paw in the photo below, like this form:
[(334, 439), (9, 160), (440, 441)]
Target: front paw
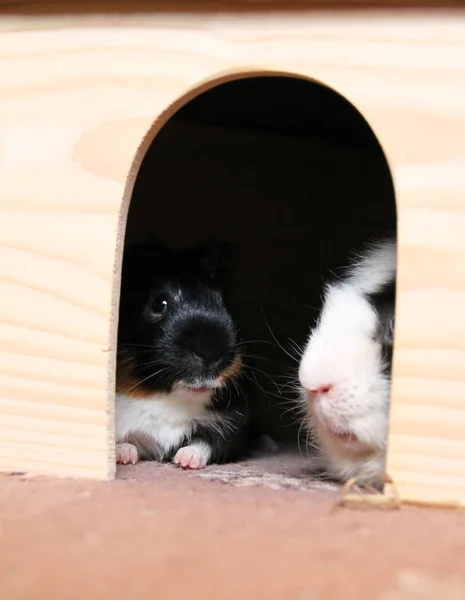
[(195, 456), (126, 454)]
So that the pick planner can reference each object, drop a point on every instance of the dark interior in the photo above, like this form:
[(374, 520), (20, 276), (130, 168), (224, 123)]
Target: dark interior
[(290, 173)]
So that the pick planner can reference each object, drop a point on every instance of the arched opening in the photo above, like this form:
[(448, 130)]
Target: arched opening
[(288, 172)]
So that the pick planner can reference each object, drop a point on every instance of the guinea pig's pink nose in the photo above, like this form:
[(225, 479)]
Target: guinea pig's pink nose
[(319, 390)]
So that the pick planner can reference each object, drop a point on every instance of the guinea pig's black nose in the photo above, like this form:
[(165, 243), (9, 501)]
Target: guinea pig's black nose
[(206, 359)]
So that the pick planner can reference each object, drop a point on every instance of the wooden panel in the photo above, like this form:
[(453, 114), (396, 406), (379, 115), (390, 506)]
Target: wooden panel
[(78, 94)]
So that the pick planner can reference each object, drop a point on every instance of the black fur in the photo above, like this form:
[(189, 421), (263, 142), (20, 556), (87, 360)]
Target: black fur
[(193, 342), (226, 433), (383, 302), (196, 338)]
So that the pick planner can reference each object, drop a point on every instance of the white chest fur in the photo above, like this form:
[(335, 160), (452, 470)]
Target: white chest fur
[(158, 425)]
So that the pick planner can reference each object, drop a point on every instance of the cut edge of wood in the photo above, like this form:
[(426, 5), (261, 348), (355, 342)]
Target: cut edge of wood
[(159, 122), (366, 497)]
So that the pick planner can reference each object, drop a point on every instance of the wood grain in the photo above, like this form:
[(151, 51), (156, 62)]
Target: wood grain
[(79, 102)]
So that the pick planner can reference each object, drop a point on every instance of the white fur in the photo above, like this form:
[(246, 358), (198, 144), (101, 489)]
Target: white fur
[(374, 268), (342, 353), (158, 424)]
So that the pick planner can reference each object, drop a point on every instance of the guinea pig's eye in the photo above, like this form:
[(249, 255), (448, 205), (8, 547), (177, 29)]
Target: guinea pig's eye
[(158, 308)]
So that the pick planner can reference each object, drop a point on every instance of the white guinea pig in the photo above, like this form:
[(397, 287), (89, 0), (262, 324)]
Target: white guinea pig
[(345, 369)]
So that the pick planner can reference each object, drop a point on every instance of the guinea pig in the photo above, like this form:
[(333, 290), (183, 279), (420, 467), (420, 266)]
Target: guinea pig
[(178, 360), (345, 368)]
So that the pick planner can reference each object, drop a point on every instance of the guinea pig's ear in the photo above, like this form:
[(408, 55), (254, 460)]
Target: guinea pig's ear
[(389, 333), (216, 256)]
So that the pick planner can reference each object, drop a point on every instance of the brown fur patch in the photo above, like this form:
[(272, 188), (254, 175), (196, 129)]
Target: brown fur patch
[(232, 370), (126, 381)]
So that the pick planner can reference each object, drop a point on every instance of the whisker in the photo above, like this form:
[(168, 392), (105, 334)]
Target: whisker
[(249, 367), (275, 339), (254, 356), (253, 379), (255, 342), (302, 425), (296, 348), (131, 345), (150, 363), (265, 392), (138, 383)]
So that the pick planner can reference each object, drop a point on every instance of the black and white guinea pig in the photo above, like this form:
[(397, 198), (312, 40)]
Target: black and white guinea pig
[(178, 359), (345, 368)]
